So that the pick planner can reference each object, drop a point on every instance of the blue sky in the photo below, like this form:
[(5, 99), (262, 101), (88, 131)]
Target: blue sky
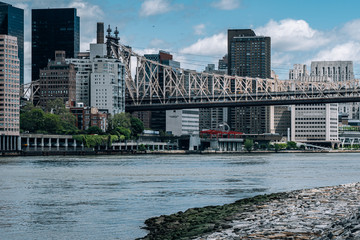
[(195, 31)]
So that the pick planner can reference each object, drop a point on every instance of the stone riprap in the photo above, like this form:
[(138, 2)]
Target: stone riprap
[(321, 213)]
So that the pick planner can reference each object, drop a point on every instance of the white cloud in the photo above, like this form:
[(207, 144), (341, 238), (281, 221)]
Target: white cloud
[(349, 51), (351, 30), (86, 10), (210, 46), (157, 43), (89, 15), (153, 50), (154, 7), (226, 4), (199, 29), (279, 59), (292, 35)]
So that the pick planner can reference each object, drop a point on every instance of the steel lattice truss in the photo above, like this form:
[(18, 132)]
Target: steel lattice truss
[(29, 90), (158, 84)]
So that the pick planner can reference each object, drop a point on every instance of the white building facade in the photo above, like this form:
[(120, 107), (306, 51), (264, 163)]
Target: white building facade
[(299, 70), (107, 85), (100, 81), (182, 122), (337, 70), (83, 67), (314, 122)]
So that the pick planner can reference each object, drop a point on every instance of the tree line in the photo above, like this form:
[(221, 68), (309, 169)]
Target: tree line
[(55, 118)]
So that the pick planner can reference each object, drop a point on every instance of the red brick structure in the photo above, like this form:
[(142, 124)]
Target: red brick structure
[(87, 117), (57, 80)]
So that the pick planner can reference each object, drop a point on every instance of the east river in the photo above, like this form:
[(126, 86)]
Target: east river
[(109, 197)]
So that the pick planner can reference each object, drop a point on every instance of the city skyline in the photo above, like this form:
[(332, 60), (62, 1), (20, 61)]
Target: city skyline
[(195, 32)]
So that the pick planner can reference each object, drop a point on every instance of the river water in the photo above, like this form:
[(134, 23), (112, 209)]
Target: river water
[(109, 197)]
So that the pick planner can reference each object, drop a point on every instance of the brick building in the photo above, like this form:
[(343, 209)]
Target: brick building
[(89, 116), (57, 80)]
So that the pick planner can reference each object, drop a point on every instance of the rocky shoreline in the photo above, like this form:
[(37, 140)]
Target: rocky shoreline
[(320, 213)]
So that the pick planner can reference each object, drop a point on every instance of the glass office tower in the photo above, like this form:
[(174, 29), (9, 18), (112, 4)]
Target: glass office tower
[(53, 30)]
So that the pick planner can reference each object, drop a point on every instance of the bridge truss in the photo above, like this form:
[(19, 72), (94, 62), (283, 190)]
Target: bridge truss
[(155, 86), (30, 90)]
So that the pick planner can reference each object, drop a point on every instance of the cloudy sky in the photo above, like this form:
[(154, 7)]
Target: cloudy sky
[(195, 31)]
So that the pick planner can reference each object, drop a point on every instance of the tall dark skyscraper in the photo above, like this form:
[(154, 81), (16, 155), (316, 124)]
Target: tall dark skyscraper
[(249, 56), (12, 23), (53, 30)]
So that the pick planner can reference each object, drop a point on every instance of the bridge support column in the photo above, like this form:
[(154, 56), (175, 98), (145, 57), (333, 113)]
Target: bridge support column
[(66, 144), (42, 144), (19, 143), (57, 144)]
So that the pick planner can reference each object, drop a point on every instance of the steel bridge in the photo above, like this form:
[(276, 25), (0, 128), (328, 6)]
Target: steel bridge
[(155, 86)]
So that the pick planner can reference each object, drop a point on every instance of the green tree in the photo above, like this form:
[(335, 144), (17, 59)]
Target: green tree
[(137, 126), (68, 123), (142, 147), (52, 123), (68, 120), (264, 146), (292, 145), (27, 107), (249, 143), (280, 146), (57, 120), (94, 130), (121, 120), (56, 106), (277, 147), (33, 120), (121, 131)]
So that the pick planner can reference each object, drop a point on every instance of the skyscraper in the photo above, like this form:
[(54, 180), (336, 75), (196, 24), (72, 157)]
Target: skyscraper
[(53, 30), (12, 24), (249, 56), (9, 93)]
